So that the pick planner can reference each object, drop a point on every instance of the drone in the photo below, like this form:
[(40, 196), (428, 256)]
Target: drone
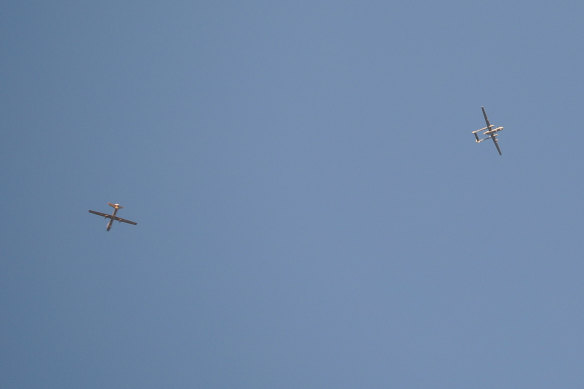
[(489, 132), (113, 216)]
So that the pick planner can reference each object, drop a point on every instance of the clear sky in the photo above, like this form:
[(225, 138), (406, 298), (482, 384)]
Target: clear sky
[(312, 209)]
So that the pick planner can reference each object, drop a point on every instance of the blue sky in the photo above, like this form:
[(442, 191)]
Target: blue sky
[(313, 211)]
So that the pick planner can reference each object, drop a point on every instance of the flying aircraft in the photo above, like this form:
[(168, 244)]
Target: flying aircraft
[(489, 132), (113, 216)]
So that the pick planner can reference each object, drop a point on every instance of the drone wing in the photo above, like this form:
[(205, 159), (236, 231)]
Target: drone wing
[(497, 144), (100, 214), (124, 220), (486, 119)]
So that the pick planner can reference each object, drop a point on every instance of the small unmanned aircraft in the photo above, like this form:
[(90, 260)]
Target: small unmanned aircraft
[(489, 132), (113, 216)]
